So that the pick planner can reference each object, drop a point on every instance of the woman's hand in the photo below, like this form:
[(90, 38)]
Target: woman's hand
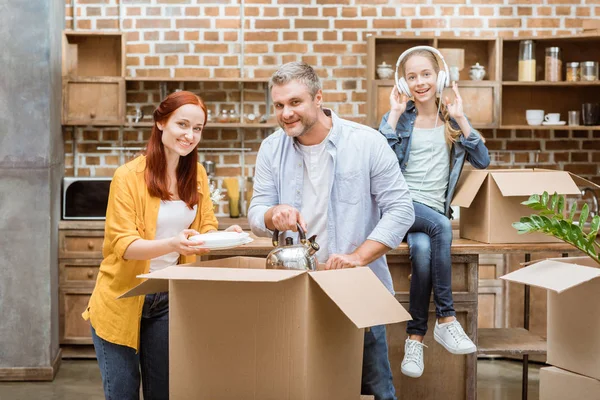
[(455, 110), (234, 228), (182, 245), (397, 101)]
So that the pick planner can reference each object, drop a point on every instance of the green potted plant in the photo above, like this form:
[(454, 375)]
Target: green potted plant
[(551, 220)]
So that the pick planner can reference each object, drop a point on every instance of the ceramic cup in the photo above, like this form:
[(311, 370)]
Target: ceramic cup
[(534, 117), (552, 118)]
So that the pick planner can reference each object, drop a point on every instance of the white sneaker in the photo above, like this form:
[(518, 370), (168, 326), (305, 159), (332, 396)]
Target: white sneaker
[(412, 364), (452, 336)]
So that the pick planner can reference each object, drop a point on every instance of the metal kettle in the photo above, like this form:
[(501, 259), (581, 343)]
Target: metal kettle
[(299, 256)]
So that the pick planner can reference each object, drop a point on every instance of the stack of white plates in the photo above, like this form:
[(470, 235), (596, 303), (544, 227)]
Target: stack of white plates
[(222, 240)]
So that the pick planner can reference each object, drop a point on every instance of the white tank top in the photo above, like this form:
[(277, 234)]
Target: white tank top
[(173, 217)]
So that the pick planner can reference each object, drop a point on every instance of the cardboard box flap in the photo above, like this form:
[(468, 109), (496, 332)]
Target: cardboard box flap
[(361, 296), (468, 186), (188, 273), (147, 287), (528, 183), (231, 262), (553, 275), (581, 260)]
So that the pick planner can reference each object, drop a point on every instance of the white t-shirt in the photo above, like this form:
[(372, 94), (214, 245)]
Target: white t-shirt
[(428, 168), (318, 168), (173, 217)]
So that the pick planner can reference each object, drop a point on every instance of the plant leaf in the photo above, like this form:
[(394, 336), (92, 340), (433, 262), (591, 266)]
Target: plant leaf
[(585, 211), (572, 213), (561, 205), (595, 225), (554, 201), (545, 198)]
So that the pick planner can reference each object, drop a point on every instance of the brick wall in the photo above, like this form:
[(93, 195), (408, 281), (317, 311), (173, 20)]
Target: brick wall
[(210, 37)]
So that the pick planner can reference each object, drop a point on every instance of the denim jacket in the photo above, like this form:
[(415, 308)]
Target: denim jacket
[(471, 148)]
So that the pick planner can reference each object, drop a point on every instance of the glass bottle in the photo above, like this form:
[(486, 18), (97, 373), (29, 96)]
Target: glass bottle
[(527, 61), (553, 65), (209, 116), (572, 71), (589, 71)]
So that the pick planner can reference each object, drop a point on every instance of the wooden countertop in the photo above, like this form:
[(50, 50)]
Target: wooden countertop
[(262, 246)]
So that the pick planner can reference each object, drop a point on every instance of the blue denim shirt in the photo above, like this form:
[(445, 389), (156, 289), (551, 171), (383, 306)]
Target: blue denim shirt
[(471, 148), (368, 197)]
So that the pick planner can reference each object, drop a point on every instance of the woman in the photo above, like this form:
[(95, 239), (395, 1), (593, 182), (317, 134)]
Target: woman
[(156, 202), (438, 138)]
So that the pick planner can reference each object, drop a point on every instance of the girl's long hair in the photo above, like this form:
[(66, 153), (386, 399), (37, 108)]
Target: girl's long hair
[(156, 161)]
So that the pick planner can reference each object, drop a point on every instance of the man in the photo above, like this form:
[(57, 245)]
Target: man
[(339, 180)]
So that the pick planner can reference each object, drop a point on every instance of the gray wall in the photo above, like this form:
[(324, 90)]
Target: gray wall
[(31, 167)]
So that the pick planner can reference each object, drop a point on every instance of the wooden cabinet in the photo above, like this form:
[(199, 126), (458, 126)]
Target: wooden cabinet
[(446, 375), (93, 71), (79, 258), (481, 98), (552, 97)]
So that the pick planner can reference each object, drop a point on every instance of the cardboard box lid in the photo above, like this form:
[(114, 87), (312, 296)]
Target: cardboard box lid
[(556, 274), (468, 186), (158, 281), (516, 182), (361, 296)]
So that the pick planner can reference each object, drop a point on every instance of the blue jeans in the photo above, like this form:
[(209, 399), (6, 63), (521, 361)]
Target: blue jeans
[(429, 240), (377, 374), (120, 365)]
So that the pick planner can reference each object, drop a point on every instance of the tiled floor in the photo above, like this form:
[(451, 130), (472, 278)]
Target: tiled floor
[(80, 380)]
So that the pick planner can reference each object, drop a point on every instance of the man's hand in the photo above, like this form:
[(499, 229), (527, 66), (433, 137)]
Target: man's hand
[(339, 261), (284, 217)]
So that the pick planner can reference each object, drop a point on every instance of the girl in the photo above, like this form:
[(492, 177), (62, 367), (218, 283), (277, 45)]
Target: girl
[(156, 202), (439, 139)]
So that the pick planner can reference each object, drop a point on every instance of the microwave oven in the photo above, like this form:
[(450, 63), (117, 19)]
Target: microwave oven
[(85, 198)]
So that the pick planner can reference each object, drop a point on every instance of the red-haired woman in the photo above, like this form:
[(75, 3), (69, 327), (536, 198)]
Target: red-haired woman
[(156, 202)]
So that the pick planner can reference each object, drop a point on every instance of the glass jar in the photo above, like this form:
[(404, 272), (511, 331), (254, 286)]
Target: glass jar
[(553, 65), (572, 71), (224, 117), (589, 71), (527, 61), (209, 116), (233, 116)]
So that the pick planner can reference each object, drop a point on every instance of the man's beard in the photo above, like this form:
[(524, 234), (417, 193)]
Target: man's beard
[(306, 126)]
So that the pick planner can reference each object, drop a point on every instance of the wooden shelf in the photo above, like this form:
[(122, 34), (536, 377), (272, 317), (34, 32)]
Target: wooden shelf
[(513, 341), (213, 125), (554, 127), (545, 83), (193, 79)]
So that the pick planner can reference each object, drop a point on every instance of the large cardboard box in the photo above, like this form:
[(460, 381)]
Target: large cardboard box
[(558, 384), (239, 331), (573, 310), (490, 201)]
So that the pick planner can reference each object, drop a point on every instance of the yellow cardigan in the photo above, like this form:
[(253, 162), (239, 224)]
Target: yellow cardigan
[(131, 214)]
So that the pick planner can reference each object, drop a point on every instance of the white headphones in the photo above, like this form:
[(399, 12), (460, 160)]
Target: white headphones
[(443, 78)]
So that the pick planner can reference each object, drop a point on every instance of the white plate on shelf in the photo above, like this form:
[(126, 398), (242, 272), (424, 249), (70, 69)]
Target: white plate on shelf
[(559, 123)]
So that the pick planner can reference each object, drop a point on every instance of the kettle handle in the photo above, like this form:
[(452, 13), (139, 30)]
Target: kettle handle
[(300, 230)]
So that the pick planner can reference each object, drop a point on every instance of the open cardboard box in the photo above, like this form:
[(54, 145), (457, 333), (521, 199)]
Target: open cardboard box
[(573, 310), (558, 384), (240, 331), (490, 201)]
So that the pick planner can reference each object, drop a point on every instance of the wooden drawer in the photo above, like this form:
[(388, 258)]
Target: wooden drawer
[(446, 376), (79, 272), (94, 101), (80, 244), (464, 277), (73, 329)]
